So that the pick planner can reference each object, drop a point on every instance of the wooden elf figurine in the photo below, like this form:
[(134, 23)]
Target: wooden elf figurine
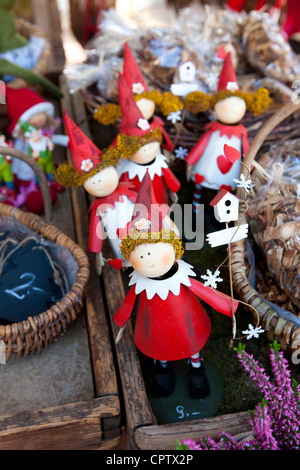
[(207, 165), (96, 172), (7, 187), (170, 323), (147, 100), (139, 147)]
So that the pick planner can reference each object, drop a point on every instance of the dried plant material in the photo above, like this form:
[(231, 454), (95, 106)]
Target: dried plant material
[(274, 219), (267, 50)]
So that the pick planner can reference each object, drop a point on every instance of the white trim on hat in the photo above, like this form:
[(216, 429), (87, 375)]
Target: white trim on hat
[(45, 106)]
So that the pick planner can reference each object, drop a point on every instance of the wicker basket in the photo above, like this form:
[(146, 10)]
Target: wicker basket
[(285, 332), (40, 330)]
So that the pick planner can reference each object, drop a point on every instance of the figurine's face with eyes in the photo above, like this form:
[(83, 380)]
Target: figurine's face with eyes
[(146, 153), (230, 110), (147, 107), (153, 259), (102, 183)]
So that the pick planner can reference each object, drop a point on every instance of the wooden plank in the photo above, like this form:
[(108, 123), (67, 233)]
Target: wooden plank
[(164, 437), (73, 426)]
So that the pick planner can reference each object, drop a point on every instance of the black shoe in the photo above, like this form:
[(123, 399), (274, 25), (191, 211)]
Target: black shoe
[(198, 383), (163, 380)]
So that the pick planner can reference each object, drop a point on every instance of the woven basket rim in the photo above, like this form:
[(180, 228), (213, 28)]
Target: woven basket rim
[(55, 235), (285, 331), (28, 29)]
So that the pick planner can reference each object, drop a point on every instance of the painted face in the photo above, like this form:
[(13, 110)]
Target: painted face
[(38, 120), (103, 183), (146, 153), (153, 259), (230, 110), (147, 107)]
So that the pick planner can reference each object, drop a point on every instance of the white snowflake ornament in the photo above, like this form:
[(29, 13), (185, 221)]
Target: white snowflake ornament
[(175, 116), (211, 279), (181, 153), (253, 332), (243, 183)]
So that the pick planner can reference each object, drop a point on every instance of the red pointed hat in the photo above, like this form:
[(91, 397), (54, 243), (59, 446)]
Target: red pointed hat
[(147, 214), (22, 104), (228, 80), (85, 154), (132, 73), (133, 122)]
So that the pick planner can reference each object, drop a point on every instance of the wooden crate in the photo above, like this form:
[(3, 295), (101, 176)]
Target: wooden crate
[(88, 415), (142, 430)]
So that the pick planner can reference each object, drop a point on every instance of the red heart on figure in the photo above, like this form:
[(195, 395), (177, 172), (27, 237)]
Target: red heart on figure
[(224, 165), (199, 178), (115, 263), (231, 153)]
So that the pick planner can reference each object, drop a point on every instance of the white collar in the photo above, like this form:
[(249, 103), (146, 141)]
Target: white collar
[(163, 287), (134, 169)]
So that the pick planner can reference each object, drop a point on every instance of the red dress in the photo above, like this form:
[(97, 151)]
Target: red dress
[(171, 323), (161, 175)]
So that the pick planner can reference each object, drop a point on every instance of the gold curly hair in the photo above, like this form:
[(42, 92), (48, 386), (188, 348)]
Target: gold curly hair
[(166, 102), (127, 145), (137, 237)]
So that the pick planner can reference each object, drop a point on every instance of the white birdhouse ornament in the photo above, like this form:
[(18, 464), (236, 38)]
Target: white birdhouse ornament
[(226, 206), (187, 71), (187, 79)]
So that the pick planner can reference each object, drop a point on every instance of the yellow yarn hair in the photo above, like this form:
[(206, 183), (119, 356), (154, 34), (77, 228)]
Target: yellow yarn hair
[(257, 102), (128, 145), (166, 102), (136, 238), (107, 114)]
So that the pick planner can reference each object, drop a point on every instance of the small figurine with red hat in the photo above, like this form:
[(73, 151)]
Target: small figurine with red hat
[(139, 148), (28, 107), (148, 101), (96, 172), (207, 165), (170, 322), (40, 147), (145, 99)]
